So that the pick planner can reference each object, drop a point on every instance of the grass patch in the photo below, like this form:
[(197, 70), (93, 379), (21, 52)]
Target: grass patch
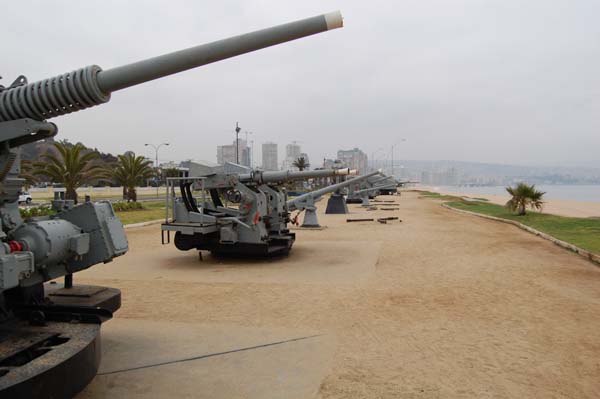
[(582, 232), (438, 196), (151, 211), (124, 206)]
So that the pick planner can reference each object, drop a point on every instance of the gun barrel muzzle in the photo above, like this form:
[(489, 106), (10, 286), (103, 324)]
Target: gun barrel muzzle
[(157, 67)]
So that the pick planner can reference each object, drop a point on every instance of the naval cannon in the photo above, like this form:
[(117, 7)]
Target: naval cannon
[(306, 202), (258, 176), (373, 188), (366, 193), (356, 197), (49, 337), (256, 226)]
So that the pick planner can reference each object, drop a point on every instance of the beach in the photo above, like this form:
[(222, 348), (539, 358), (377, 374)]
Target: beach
[(562, 207), (440, 305)]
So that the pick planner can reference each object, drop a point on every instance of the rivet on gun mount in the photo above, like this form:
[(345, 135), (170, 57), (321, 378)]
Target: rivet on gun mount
[(77, 236)]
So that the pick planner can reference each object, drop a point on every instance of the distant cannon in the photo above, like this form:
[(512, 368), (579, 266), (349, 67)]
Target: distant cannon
[(307, 201), (263, 177), (364, 194), (386, 184)]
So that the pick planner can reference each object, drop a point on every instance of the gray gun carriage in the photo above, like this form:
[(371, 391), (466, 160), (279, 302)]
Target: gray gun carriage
[(50, 334), (255, 226)]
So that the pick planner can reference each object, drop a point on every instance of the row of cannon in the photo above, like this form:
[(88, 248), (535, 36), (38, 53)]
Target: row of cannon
[(257, 223)]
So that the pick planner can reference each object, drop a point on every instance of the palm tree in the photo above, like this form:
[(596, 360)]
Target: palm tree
[(131, 171), (169, 172), (523, 196), (301, 164), (69, 165), (27, 168)]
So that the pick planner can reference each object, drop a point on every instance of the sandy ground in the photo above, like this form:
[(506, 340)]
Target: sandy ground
[(580, 209), (441, 305)]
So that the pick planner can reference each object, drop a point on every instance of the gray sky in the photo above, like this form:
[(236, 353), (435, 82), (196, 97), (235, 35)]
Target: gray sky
[(506, 81)]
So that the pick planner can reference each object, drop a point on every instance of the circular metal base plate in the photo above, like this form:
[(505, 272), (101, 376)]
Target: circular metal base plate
[(65, 356)]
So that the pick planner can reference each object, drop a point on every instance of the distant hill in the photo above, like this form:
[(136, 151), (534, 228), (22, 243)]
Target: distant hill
[(34, 151)]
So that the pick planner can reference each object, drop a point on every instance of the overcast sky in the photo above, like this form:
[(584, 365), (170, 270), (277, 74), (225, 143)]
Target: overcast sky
[(506, 81)]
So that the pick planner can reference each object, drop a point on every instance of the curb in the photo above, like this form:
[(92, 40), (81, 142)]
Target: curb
[(579, 251), (142, 224)]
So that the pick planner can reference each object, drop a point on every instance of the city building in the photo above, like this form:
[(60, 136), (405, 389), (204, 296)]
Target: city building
[(292, 153), (333, 164), (354, 159), (167, 165), (270, 161), (227, 153)]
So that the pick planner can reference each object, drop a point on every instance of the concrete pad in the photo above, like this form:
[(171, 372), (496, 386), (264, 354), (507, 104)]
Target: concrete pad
[(293, 369)]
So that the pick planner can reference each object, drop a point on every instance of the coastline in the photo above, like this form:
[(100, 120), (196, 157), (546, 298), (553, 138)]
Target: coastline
[(571, 208)]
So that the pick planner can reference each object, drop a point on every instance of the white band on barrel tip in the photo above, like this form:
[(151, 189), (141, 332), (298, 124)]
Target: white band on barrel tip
[(334, 20)]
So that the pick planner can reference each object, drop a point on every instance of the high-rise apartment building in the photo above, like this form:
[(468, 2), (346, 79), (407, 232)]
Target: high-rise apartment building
[(269, 156), (354, 159), (227, 153), (292, 153)]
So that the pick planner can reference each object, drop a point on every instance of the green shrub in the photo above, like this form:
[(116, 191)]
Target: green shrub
[(123, 206), (42, 210)]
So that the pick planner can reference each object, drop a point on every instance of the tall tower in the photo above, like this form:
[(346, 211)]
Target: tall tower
[(269, 156)]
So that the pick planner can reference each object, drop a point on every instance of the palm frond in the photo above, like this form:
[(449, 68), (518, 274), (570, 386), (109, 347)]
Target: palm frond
[(524, 195)]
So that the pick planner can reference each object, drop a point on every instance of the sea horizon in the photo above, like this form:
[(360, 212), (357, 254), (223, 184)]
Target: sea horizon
[(573, 192)]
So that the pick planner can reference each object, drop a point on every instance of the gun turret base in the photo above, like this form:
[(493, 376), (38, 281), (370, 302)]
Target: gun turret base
[(336, 205), (310, 218), (276, 245), (69, 356), (44, 358)]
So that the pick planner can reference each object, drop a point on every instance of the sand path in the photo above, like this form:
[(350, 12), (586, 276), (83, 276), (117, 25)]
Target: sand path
[(441, 305)]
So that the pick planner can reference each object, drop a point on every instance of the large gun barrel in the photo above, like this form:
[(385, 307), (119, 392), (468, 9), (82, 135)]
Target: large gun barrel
[(90, 86), (375, 188), (380, 179), (297, 202), (287, 175), (370, 182)]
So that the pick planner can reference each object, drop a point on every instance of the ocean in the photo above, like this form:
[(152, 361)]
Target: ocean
[(559, 192)]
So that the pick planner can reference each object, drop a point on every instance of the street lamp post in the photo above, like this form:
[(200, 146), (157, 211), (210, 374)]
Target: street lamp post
[(237, 143), (393, 145), (373, 156), (156, 148)]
